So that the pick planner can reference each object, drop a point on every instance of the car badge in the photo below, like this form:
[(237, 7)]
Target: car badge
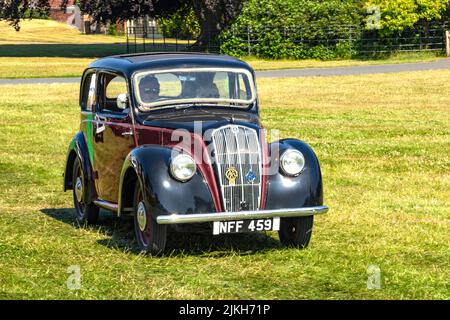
[(250, 176), (231, 174), (235, 129)]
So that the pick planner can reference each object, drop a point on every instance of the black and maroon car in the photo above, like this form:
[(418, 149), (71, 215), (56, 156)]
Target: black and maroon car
[(175, 139)]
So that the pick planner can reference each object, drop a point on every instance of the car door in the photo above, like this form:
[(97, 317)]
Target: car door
[(112, 135)]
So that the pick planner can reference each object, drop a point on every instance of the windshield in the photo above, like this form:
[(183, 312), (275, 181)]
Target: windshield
[(212, 86)]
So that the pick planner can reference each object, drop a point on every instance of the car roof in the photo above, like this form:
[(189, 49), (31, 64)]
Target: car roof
[(130, 63)]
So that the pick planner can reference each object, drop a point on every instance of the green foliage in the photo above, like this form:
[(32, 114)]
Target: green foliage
[(182, 24), (397, 15), (345, 50), (295, 26), (14, 11), (113, 31), (36, 14)]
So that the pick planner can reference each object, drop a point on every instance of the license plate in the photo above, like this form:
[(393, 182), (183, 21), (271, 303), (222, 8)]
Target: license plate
[(270, 224)]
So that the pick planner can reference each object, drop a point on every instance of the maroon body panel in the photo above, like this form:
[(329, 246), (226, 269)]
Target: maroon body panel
[(111, 144), (163, 137)]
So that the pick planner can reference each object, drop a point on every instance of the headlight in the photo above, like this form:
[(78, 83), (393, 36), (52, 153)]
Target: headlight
[(292, 162), (183, 167)]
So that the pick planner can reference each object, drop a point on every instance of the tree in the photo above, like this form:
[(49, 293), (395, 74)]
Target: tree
[(213, 15), (397, 15), (15, 10)]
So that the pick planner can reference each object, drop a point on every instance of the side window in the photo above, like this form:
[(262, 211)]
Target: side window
[(89, 95), (112, 86), (243, 87)]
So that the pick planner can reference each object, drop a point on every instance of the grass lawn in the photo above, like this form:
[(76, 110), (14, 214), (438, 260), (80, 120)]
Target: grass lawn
[(49, 31), (383, 142), (50, 67), (265, 64), (42, 67)]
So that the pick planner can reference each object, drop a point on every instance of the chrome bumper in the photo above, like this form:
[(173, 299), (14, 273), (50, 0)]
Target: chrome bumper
[(241, 215)]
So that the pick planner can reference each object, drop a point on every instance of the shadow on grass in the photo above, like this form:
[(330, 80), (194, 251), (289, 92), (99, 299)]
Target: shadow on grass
[(61, 50), (78, 50), (121, 233)]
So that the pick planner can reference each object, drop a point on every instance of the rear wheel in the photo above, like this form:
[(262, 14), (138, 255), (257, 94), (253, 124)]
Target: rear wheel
[(86, 213), (297, 231), (150, 236)]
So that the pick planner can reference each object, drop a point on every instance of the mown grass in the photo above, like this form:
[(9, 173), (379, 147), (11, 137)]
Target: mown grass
[(56, 67), (49, 31), (42, 67), (383, 142), (267, 64)]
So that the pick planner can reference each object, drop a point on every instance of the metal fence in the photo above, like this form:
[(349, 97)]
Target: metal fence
[(149, 38), (364, 42)]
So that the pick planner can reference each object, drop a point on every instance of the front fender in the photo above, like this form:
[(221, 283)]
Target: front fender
[(78, 148), (305, 190), (162, 193)]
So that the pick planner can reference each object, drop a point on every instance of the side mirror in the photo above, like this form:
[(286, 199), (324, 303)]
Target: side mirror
[(122, 101)]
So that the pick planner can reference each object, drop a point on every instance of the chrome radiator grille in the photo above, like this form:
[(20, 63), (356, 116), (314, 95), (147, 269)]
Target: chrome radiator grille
[(237, 156)]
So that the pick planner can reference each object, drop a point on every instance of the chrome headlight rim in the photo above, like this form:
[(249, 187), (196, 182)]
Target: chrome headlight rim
[(290, 152), (175, 164)]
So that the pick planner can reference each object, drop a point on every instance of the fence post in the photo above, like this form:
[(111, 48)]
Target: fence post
[(135, 40), (447, 42), (128, 44), (144, 35), (248, 41)]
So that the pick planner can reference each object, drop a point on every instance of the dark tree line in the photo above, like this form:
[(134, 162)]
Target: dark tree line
[(14, 10), (213, 15)]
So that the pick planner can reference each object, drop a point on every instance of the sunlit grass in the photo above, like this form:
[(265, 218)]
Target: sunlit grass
[(383, 142), (267, 64), (49, 67), (49, 31), (42, 67)]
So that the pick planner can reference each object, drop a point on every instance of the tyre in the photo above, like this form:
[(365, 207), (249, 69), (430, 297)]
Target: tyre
[(296, 232), (86, 213), (150, 236)]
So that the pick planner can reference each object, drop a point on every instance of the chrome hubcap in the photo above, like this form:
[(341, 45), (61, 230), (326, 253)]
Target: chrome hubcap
[(79, 189), (141, 216)]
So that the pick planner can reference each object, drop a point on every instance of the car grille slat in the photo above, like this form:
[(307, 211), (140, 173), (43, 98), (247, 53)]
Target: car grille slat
[(237, 148)]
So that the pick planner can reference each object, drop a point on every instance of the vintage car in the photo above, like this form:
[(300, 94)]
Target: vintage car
[(175, 140)]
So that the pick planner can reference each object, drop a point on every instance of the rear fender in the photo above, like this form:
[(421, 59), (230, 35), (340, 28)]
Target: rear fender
[(78, 148)]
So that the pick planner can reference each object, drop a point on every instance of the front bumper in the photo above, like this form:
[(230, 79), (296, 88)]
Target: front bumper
[(241, 215)]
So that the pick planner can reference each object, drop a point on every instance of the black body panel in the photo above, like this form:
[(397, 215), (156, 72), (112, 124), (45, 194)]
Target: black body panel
[(162, 193), (295, 192), (78, 148)]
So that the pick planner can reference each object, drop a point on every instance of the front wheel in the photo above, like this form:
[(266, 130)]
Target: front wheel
[(150, 236), (296, 232)]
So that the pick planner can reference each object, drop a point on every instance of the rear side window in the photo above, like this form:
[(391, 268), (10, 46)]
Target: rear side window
[(116, 86), (244, 92), (89, 96), (112, 86)]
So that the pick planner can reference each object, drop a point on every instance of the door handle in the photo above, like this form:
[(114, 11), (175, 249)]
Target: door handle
[(127, 133)]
